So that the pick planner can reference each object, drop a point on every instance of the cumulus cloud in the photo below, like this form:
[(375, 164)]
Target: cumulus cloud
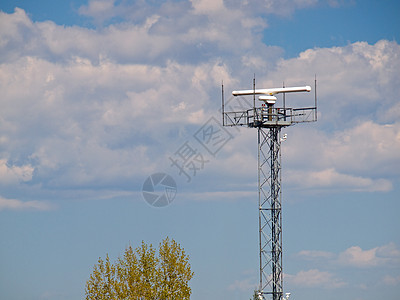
[(330, 178), (10, 174), (99, 107), (354, 145), (281, 8), (316, 279), (324, 266), (378, 256), (355, 256), (207, 6), (366, 146), (355, 82), (338, 3), (101, 10), (14, 204), (169, 32), (243, 285), (361, 158), (104, 114), (391, 280), (315, 255), (189, 31)]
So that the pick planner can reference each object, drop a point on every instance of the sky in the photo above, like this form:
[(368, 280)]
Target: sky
[(98, 96)]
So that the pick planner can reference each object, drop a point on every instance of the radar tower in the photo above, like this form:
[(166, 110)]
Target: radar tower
[(269, 120)]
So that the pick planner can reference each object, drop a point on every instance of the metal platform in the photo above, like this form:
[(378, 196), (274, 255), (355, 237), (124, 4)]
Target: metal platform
[(268, 117)]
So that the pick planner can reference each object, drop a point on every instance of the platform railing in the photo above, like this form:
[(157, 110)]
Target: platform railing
[(269, 116)]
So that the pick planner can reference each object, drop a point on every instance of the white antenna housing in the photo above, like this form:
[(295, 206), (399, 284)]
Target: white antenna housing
[(270, 100), (272, 91)]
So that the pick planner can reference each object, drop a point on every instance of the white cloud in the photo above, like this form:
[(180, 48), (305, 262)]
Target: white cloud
[(237, 195), (103, 10), (14, 204), (366, 147), (391, 280), (48, 126), (389, 252), (120, 110), (11, 174), (386, 255), (355, 256), (315, 255), (355, 143), (330, 178), (362, 158), (105, 114), (355, 82), (243, 285), (180, 31), (338, 3), (99, 9), (265, 7), (316, 279), (207, 6)]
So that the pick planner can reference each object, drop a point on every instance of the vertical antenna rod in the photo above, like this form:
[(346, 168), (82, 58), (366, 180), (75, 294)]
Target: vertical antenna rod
[(284, 101), (315, 98), (223, 105)]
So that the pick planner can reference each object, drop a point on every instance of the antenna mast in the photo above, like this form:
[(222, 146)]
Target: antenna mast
[(269, 120)]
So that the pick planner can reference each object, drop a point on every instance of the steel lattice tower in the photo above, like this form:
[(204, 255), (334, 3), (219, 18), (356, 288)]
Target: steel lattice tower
[(269, 120)]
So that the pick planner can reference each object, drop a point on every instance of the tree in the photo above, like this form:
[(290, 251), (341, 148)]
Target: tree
[(141, 274)]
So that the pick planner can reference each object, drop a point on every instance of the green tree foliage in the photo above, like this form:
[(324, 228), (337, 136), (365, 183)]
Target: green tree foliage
[(142, 274)]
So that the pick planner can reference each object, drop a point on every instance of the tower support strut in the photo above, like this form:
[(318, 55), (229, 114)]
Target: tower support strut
[(270, 213)]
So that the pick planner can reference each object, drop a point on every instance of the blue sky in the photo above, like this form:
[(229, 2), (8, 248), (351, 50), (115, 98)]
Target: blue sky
[(99, 95)]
